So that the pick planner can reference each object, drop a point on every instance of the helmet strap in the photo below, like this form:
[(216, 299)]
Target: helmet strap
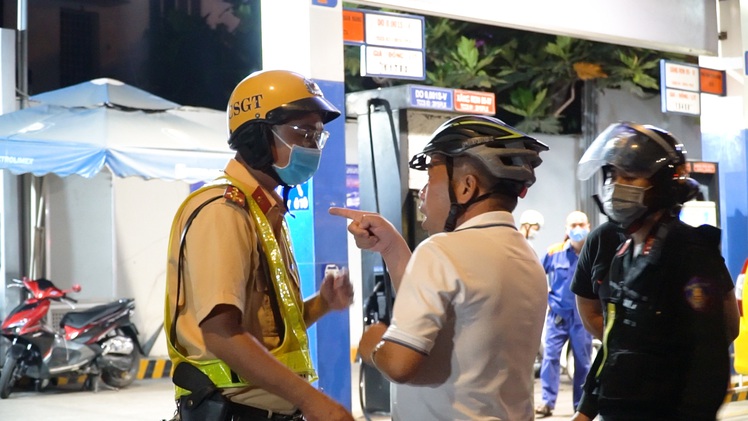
[(457, 209)]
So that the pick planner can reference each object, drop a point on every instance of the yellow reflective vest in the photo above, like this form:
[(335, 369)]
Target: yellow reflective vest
[(294, 349)]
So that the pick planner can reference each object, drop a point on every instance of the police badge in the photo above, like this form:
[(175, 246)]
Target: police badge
[(697, 294), (312, 87)]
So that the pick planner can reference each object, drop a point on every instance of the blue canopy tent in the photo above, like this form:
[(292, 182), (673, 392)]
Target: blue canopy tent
[(82, 128), (108, 229)]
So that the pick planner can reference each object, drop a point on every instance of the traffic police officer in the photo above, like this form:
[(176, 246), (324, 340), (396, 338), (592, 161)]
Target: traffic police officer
[(233, 305)]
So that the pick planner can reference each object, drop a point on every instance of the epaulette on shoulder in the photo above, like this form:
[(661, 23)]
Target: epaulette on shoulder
[(235, 195), (555, 248)]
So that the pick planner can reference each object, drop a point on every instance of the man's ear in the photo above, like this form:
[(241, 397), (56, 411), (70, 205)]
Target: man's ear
[(468, 187)]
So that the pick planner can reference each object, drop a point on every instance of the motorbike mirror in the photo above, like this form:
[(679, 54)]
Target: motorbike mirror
[(76, 288)]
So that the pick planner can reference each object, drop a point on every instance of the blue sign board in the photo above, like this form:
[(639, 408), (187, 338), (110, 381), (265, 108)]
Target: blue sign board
[(431, 98), (298, 197)]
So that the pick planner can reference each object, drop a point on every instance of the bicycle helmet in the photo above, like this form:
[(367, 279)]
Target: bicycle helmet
[(508, 154)]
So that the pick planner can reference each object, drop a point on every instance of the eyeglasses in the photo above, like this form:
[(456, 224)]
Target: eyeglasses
[(312, 138), (423, 162)]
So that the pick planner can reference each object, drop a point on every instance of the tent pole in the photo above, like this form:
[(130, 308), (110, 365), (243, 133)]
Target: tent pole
[(37, 260), (22, 51), (28, 234)]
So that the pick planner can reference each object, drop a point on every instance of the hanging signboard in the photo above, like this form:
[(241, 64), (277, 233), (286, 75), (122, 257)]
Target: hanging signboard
[(392, 62), (679, 88), (353, 26), (326, 3), (475, 102), (712, 81), (684, 102), (445, 99), (682, 84), (396, 31), (430, 97), (392, 45)]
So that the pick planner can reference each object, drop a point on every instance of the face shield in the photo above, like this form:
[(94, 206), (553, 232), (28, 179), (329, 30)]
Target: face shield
[(632, 148)]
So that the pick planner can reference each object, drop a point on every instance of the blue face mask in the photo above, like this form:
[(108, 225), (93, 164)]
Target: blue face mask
[(302, 164), (578, 234)]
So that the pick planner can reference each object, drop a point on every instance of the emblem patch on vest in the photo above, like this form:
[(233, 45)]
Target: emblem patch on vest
[(697, 294), (233, 194), (262, 200)]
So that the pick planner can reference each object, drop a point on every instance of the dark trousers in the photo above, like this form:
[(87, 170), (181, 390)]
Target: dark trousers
[(221, 409), (248, 413)]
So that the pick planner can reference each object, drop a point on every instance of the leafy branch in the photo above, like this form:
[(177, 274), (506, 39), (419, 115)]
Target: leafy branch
[(536, 77)]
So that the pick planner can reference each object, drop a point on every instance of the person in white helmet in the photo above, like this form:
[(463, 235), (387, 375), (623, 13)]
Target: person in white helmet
[(563, 322), (530, 222)]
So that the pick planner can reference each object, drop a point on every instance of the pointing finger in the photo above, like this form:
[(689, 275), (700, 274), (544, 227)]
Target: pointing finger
[(347, 213)]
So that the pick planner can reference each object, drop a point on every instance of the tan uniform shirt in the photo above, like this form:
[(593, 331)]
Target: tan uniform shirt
[(221, 266)]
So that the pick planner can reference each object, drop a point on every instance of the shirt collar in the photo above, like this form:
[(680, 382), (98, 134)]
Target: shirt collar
[(249, 185), (495, 217)]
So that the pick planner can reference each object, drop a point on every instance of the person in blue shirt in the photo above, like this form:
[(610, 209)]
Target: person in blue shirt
[(563, 322)]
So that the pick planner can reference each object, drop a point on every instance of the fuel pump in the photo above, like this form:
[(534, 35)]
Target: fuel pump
[(705, 209), (373, 387)]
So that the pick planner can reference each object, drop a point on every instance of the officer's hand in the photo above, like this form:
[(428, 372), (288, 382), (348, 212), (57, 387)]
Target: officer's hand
[(370, 230), (320, 407), (337, 290)]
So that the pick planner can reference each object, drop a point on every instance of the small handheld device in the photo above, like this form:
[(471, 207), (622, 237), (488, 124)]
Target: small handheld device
[(334, 270)]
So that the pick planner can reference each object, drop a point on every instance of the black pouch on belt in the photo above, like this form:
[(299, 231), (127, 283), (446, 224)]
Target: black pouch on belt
[(205, 403)]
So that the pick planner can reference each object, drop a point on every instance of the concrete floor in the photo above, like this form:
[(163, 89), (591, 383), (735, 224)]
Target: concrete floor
[(151, 400)]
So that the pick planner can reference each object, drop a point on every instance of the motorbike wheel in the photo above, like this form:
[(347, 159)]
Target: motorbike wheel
[(118, 377), (8, 376)]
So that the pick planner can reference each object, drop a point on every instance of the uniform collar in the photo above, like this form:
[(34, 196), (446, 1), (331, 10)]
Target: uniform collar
[(268, 200)]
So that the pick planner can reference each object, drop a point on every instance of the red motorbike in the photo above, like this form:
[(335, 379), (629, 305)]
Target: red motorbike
[(100, 343)]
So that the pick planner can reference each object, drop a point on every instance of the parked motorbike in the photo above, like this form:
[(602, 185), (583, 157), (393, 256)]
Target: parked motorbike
[(100, 343)]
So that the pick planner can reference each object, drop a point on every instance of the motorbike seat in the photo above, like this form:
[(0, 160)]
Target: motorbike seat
[(79, 319)]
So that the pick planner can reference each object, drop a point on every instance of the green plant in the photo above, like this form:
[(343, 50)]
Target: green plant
[(536, 77), (534, 110)]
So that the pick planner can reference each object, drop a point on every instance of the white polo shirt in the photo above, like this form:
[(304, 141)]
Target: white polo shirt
[(474, 301)]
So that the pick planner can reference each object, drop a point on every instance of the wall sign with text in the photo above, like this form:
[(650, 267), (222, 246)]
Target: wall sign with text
[(682, 84), (392, 45)]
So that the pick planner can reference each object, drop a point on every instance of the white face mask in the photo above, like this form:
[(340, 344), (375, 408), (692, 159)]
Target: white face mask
[(624, 204)]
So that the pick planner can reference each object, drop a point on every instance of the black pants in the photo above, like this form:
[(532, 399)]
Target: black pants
[(248, 413), (219, 408)]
